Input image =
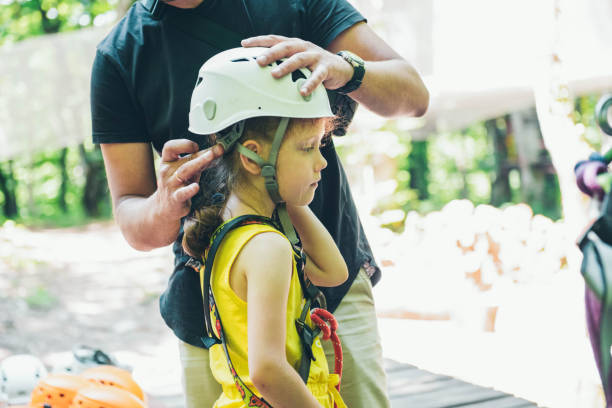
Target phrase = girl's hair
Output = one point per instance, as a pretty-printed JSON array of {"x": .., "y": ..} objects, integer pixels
[{"x": 222, "y": 177}]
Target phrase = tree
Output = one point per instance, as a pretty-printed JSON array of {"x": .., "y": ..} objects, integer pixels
[{"x": 21, "y": 19}]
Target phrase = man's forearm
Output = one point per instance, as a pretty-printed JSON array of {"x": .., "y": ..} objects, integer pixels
[
  {"x": 142, "y": 226},
  {"x": 392, "y": 88}
]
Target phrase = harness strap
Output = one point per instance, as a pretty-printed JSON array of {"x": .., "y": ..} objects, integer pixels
[{"x": 216, "y": 239}]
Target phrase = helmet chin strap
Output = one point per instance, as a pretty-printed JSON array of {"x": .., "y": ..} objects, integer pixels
[{"x": 268, "y": 171}]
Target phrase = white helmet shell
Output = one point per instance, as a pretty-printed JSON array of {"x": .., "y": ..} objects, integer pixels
[
  {"x": 19, "y": 375},
  {"x": 232, "y": 87}
]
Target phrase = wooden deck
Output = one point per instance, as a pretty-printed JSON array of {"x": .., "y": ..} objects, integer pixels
[{"x": 412, "y": 387}]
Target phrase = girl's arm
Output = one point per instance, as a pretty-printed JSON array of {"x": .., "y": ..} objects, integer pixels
[
  {"x": 325, "y": 265},
  {"x": 268, "y": 280}
]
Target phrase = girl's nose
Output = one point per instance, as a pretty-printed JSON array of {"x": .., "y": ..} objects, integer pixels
[{"x": 321, "y": 162}]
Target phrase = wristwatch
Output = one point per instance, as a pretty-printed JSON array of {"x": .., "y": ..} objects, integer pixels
[{"x": 358, "y": 72}]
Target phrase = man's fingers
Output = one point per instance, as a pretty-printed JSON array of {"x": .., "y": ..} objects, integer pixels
[
  {"x": 262, "y": 40},
  {"x": 191, "y": 169},
  {"x": 319, "y": 75},
  {"x": 283, "y": 49},
  {"x": 184, "y": 194},
  {"x": 173, "y": 149},
  {"x": 296, "y": 61}
]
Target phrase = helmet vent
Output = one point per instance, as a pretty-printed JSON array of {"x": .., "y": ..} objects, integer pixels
[
  {"x": 240, "y": 60},
  {"x": 200, "y": 79},
  {"x": 297, "y": 74}
]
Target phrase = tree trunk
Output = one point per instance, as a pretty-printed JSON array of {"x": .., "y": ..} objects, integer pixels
[
  {"x": 8, "y": 186},
  {"x": 61, "y": 196},
  {"x": 529, "y": 149},
  {"x": 418, "y": 168},
  {"x": 95, "y": 190},
  {"x": 500, "y": 187}
]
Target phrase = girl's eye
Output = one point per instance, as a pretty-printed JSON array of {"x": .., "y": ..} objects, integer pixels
[{"x": 308, "y": 149}]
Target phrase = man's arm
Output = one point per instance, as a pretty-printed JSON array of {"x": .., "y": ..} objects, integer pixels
[
  {"x": 390, "y": 87},
  {"x": 147, "y": 208}
]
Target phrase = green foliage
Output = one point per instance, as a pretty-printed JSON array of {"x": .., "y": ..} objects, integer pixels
[
  {"x": 584, "y": 114},
  {"x": 20, "y": 19},
  {"x": 55, "y": 187},
  {"x": 466, "y": 164},
  {"x": 38, "y": 187},
  {"x": 41, "y": 298},
  {"x": 459, "y": 165}
]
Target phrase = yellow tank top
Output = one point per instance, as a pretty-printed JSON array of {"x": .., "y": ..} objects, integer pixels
[{"x": 233, "y": 313}]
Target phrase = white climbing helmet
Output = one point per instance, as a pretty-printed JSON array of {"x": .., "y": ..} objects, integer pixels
[
  {"x": 19, "y": 375},
  {"x": 231, "y": 87}
]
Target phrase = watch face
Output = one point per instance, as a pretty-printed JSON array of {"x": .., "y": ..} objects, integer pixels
[
  {"x": 358, "y": 72},
  {"x": 354, "y": 59}
]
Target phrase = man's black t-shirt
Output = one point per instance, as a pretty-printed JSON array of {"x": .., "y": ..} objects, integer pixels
[{"x": 142, "y": 79}]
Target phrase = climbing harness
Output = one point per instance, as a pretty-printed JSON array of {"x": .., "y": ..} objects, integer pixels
[{"x": 307, "y": 335}]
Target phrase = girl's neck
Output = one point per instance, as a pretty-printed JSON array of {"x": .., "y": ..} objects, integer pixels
[{"x": 243, "y": 203}]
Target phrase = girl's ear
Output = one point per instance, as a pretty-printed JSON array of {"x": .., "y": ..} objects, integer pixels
[{"x": 248, "y": 164}]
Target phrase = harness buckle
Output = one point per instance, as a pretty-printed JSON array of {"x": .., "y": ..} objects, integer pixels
[
  {"x": 307, "y": 335},
  {"x": 194, "y": 264}
]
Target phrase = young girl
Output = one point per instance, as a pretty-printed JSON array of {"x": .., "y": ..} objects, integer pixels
[{"x": 271, "y": 168}]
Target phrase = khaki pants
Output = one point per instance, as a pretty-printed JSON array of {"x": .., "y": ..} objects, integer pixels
[{"x": 364, "y": 382}]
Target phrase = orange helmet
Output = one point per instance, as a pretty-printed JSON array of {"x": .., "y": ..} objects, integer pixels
[
  {"x": 57, "y": 390},
  {"x": 113, "y": 376},
  {"x": 105, "y": 396}
]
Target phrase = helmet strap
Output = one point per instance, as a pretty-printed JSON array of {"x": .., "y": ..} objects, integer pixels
[
  {"x": 268, "y": 172},
  {"x": 231, "y": 136}
]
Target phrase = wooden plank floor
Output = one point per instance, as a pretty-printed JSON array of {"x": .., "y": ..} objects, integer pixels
[{"x": 412, "y": 387}]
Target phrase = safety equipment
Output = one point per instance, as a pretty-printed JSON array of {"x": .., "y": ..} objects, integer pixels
[
  {"x": 19, "y": 374},
  {"x": 231, "y": 87},
  {"x": 57, "y": 390},
  {"x": 113, "y": 376},
  {"x": 81, "y": 358},
  {"x": 105, "y": 396}
]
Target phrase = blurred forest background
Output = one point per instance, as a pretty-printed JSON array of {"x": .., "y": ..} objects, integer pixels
[
  {"x": 486, "y": 162},
  {"x": 472, "y": 211}
]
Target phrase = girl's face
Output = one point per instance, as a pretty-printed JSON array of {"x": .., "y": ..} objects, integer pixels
[{"x": 300, "y": 161}]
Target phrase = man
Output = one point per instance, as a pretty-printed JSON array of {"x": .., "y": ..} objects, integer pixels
[{"x": 142, "y": 79}]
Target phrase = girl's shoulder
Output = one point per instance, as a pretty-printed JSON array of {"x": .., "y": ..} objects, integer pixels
[{"x": 266, "y": 249}]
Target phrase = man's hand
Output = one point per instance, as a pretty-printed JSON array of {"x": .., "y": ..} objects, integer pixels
[
  {"x": 179, "y": 174},
  {"x": 327, "y": 68}
]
